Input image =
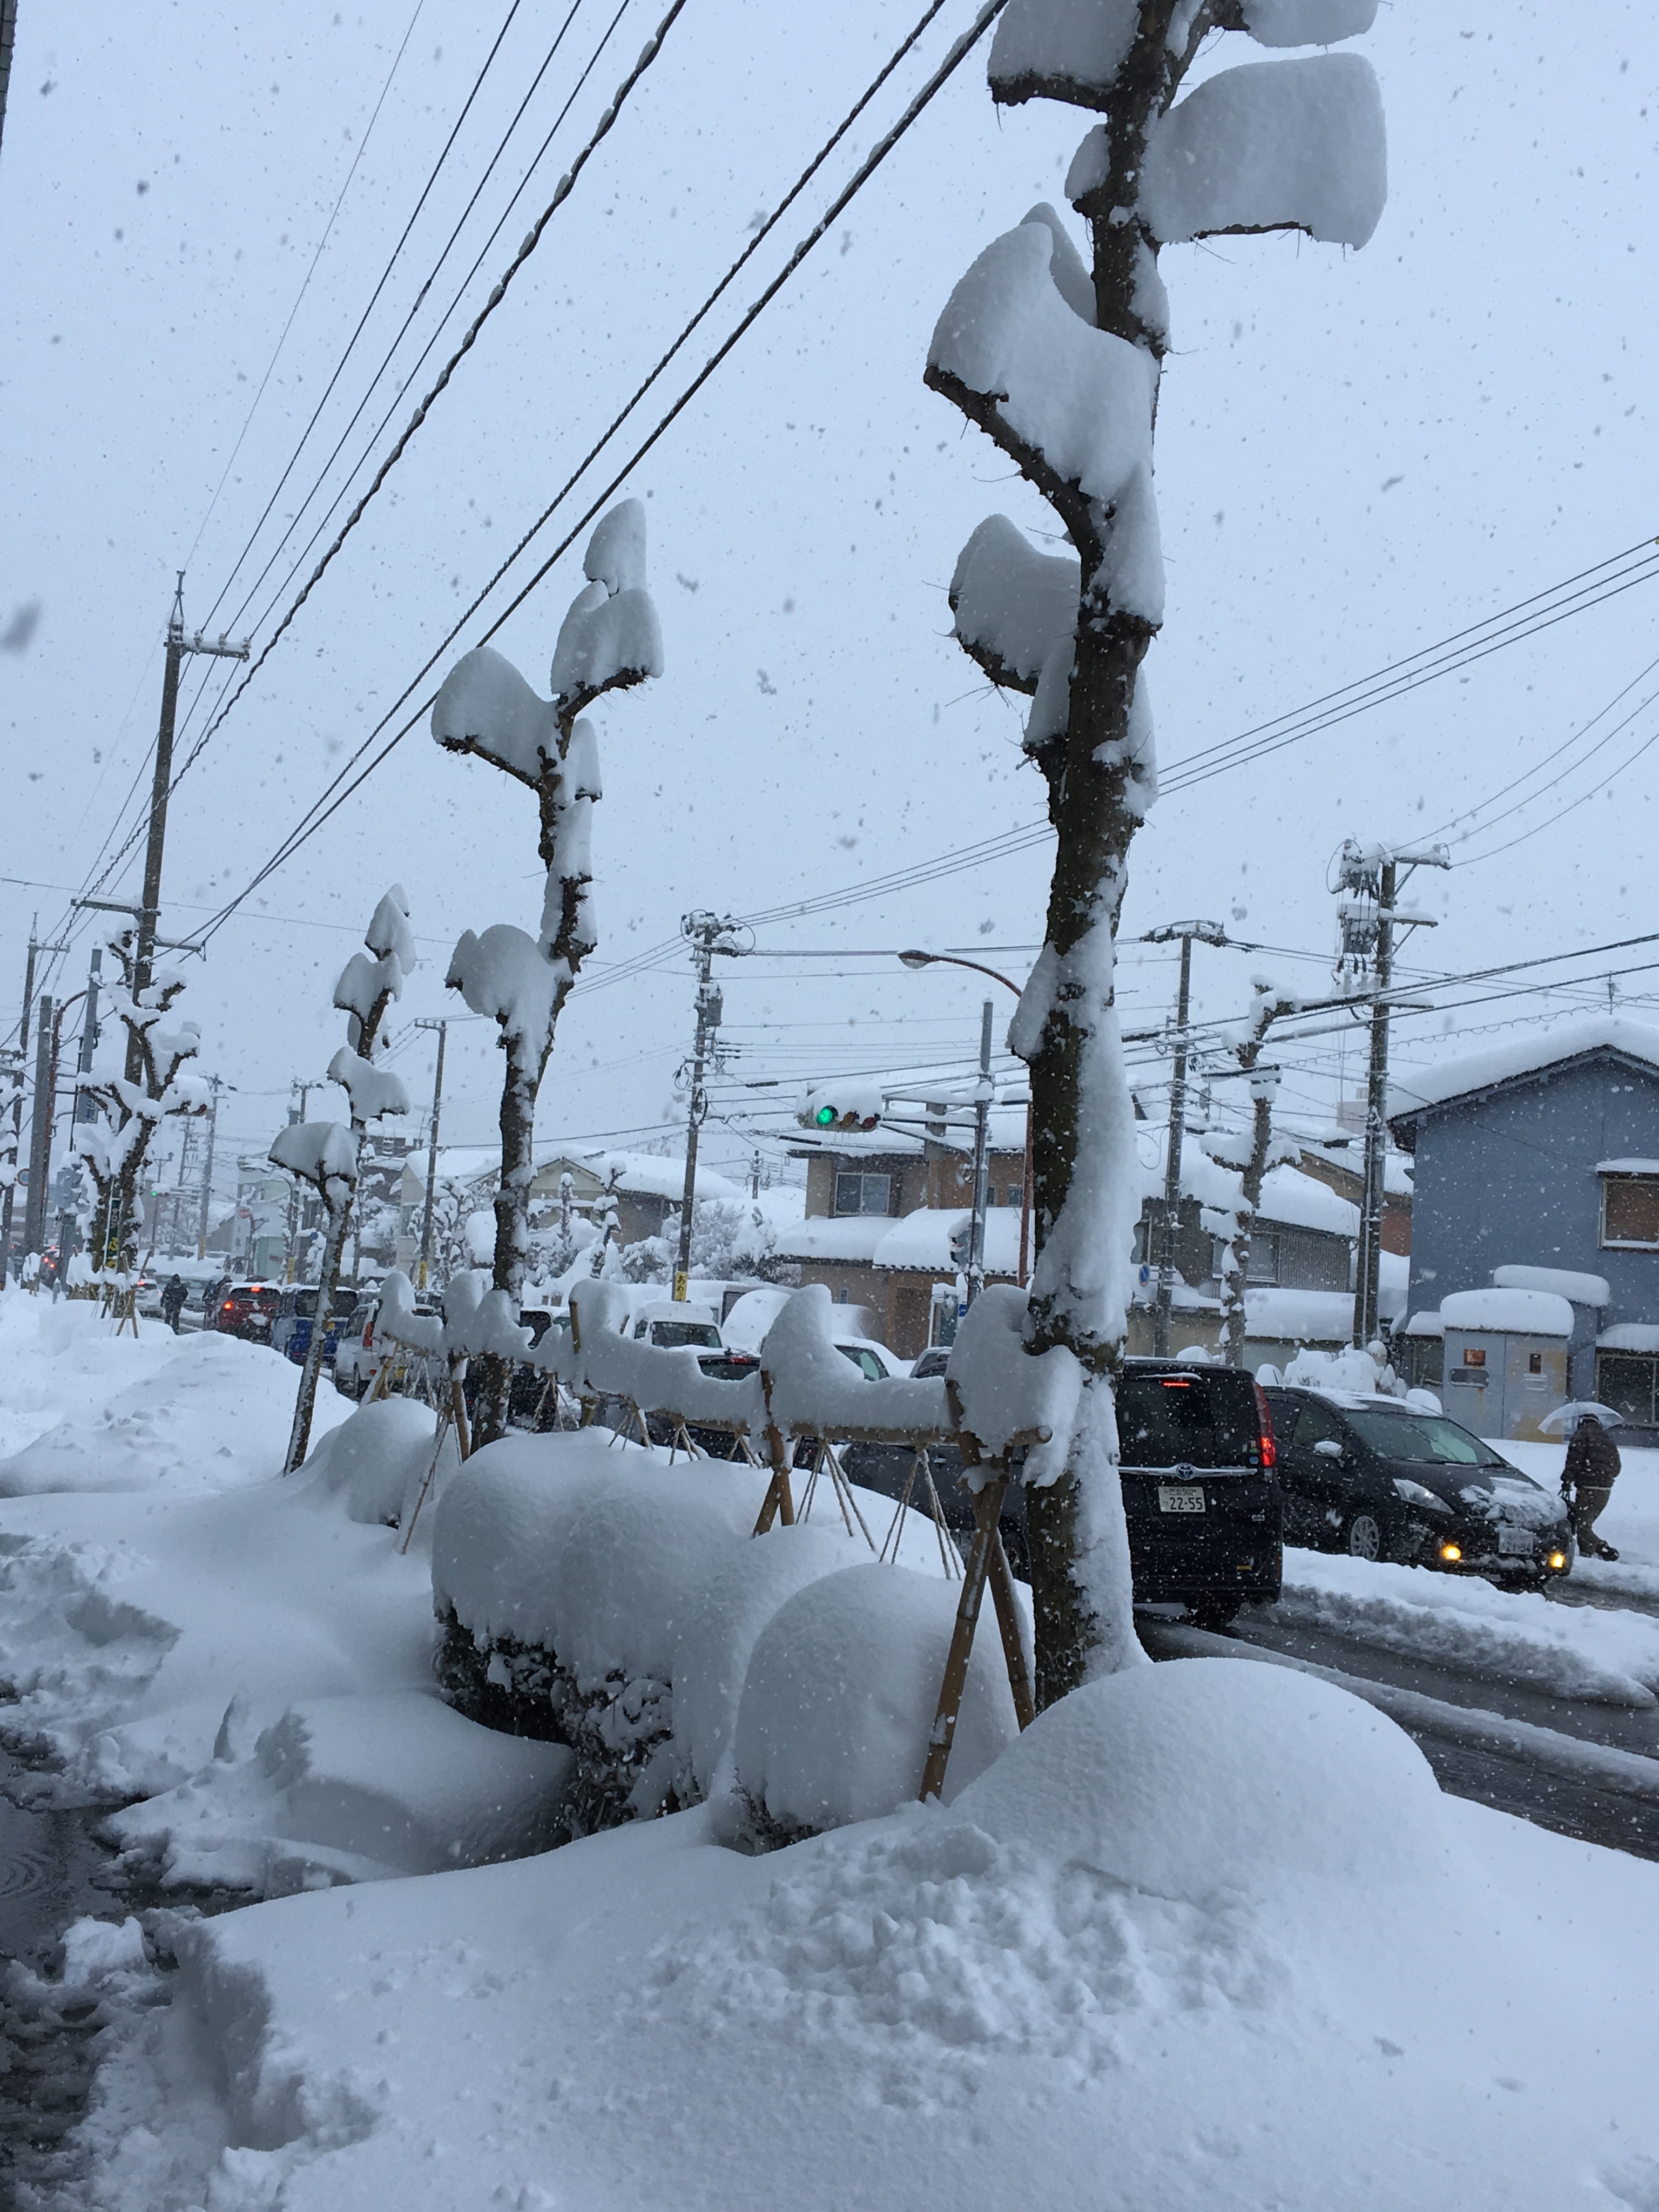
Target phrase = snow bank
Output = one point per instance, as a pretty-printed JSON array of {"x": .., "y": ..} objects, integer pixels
[
  {"x": 1529, "y": 1313},
  {"x": 351, "y": 1789},
  {"x": 842, "y": 1685},
  {"x": 1463, "y": 1621},
  {"x": 379, "y": 1458},
  {"x": 203, "y": 1412},
  {"x": 59, "y": 1356}
]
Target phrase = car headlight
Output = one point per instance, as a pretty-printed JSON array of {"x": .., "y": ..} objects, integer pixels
[{"x": 1418, "y": 1493}]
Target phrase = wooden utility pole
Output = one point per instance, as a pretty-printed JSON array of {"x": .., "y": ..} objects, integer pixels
[
  {"x": 708, "y": 933},
  {"x": 1212, "y": 933},
  {"x": 19, "y": 1076},
  {"x": 425, "y": 1022}
]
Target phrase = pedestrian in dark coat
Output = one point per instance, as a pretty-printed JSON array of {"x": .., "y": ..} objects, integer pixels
[
  {"x": 1587, "y": 1481},
  {"x": 174, "y": 1294}
]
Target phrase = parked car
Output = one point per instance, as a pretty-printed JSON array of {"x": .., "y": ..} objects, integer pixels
[
  {"x": 248, "y": 1310},
  {"x": 1381, "y": 1479},
  {"x": 875, "y": 1361},
  {"x": 680, "y": 1327},
  {"x": 355, "y": 1356},
  {"x": 932, "y": 1364},
  {"x": 290, "y": 1332},
  {"x": 1200, "y": 1489}
]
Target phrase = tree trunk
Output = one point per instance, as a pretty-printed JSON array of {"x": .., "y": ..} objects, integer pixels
[
  {"x": 299, "y": 1440},
  {"x": 518, "y": 1125}
]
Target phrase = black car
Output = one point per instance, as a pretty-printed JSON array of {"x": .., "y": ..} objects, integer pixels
[
  {"x": 1200, "y": 1491},
  {"x": 1383, "y": 1480}
]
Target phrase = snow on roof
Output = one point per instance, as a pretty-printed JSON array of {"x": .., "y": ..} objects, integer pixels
[
  {"x": 1528, "y": 1313},
  {"x": 1289, "y": 1197},
  {"x": 1563, "y": 1282},
  {"x": 1629, "y": 1336},
  {"x": 922, "y": 1240},
  {"x": 1529, "y": 1053},
  {"x": 650, "y": 1174},
  {"x": 852, "y": 1237},
  {"x": 1424, "y": 1324},
  {"x": 1627, "y": 1167}
]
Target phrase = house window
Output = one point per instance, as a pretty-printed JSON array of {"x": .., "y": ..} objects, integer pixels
[
  {"x": 1630, "y": 1210},
  {"x": 1262, "y": 1264},
  {"x": 863, "y": 1194},
  {"x": 1625, "y": 1381}
]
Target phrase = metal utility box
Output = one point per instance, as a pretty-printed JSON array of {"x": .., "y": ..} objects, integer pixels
[{"x": 1505, "y": 1360}]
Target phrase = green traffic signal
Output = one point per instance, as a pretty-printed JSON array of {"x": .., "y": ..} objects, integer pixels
[{"x": 824, "y": 1116}]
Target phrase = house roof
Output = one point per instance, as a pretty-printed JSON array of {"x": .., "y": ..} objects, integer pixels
[
  {"x": 639, "y": 1175},
  {"x": 1536, "y": 1049},
  {"x": 1289, "y": 1197}
]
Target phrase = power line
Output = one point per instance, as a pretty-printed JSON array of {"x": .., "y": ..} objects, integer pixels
[{"x": 314, "y": 819}]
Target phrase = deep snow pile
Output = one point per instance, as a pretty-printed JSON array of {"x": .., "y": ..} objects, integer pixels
[
  {"x": 678, "y": 1652},
  {"x": 1206, "y": 1937},
  {"x": 252, "y": 1662}
]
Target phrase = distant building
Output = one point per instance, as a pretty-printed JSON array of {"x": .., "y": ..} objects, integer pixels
[{"x": 1536, "y": 1169}]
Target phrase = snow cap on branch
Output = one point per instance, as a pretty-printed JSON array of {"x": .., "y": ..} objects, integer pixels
[
  {"x": 611, "y": 638},
  {"x": 1296, "y": 145},
  {"x": 504, "y": 976},
  {"x": 1061, "y": 50},
  {"x": 1307, "y": 22},
  {"x": 372, "y": 1091},
  {"x": 1014, "y": 606},
  {"x": 317, "y": 1152},
  {"x": 1081, "y": 398},
  {"x": 485, "y": 707},
  {"x": 365, "y": 980}
]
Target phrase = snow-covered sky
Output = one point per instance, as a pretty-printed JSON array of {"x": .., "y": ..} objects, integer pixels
[{"x": 1357, "y": 454}]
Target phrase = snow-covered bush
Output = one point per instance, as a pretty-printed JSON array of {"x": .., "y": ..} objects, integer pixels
[{"x": 1059, "y": 364}]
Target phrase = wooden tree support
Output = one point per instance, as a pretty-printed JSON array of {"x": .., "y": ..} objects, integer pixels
[
  {"x": 987, "y": 1562},
  {"x": 779, "y": 1503}
]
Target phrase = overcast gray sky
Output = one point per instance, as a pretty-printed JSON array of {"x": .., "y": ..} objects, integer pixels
[{"x": 1357, "y": 454}]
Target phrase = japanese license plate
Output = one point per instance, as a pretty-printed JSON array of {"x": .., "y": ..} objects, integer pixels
[
  {"x": 1515, "y": 1539},
  {"x": 1180, "y": 1497}
]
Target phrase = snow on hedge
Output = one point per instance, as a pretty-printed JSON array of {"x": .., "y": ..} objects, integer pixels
[
  {"x": 803, "y": 1674},
  {"x": 1269, "y": 145}
]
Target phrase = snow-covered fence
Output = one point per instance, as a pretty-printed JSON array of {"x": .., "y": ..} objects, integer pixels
[{"x": 993, "y": 1401}]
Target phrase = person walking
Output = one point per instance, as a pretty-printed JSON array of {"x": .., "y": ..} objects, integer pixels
[
  {"x": 1587, "y": 1481},
  {"x": 174, "y": 1295}
]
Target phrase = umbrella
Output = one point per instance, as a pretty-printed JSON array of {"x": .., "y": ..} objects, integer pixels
[{"x": 1568, "y": 1417}]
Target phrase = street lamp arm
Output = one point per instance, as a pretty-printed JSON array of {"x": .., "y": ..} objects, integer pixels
[{"x": 953, "y": 960}]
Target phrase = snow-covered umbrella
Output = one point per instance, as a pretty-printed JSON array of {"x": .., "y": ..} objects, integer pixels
[{"x": 1567, "y": 1418}]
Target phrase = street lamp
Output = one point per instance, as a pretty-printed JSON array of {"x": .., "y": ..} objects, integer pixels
[{"x": 917, "y": 959}]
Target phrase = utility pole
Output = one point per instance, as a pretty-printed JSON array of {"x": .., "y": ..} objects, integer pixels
[
  {"x": 425, "y": 1022},
  {"x": 82, "y": 1108},
  {"x": 708, "y": 933},
  {"x": 1211, "y": 933},
  {"x": 177, "y": 646},
  {"x": 1370, "y": 916},
  {"x": 19, "y": 1076},
  {"x": 35, "y": 1211},
  {"x": 216, "y": 1083},
  {"x": 982, "y": 1094}
]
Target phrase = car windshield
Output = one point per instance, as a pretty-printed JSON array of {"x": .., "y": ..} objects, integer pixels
[
  {"x": 674, "y": 1334},
  {"x": 1173, "y": 1420},
  {"x": 1425, "y": 1437}
]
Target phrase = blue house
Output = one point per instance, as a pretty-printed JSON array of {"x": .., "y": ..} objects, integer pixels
[{"x": 1536, "y": 1167}]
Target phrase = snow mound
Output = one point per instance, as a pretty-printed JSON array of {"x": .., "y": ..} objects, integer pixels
[
  {"x": 211, "y": 1415},
  {"x": 842, "y": 1685},
  {"x": 1606, "y": 1656},
  {"x": 374, "y": 1457},
  {"x": 352, "y": 1788}
]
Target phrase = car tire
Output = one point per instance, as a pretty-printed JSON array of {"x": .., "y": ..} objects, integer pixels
[
  {"x": 1215, "y": 1613},
  {"x": 1363, "y": 1537}
]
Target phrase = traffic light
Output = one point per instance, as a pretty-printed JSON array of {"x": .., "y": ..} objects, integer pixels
[{"x": 840, "y": 1109}]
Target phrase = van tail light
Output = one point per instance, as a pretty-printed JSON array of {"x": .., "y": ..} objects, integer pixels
[
  {"x": 1265, "y": 1424},
  {"x": 369, "y": 1337}
]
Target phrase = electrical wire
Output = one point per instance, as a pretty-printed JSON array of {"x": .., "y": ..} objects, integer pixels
[{"x": 314, "y": 819}]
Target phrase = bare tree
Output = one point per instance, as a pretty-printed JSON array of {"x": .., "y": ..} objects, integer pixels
[
  {"x": 114, "y": 1151},
  {"x": 326, "y": 1155},
  {"x": 1251, "y": 1159},
  {"x": 610, "y": 640},
  {"x": 1059, "y": 364}
]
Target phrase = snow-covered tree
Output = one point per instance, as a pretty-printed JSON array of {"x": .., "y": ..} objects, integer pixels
[
  {"x": 114, "y": 1149},
  {"x": 1059, "y": 362},
  {"x": 609, "y": 639},
  {"x": 327, "y": 1154}
]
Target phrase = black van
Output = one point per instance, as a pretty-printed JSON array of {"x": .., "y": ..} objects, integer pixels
[{"x": 1200, "y": 1488}]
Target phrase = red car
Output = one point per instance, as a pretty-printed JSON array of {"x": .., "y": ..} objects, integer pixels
[{"x": 247, "y": 1310}]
